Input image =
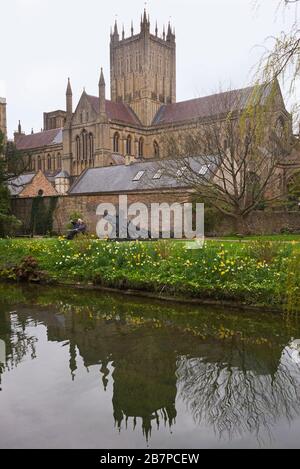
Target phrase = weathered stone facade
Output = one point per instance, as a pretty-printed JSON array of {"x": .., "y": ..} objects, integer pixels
[
  {"x": 142, "y": 113},
  {"x": 143, "y": 70},
  {"x": 54, "y": 120}
]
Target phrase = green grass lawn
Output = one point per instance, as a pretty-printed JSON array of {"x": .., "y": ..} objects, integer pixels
[
  {"x": 258, "y": 272},
  {"x": 281, "y": 238}
]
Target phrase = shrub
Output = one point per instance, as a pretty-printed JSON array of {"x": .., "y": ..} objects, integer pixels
[{"x": 27, "y": 271}]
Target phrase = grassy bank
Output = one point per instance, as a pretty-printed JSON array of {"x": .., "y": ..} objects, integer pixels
[
  {"x": 255, "y": 273},
  {"x": 274, "y": 238}
]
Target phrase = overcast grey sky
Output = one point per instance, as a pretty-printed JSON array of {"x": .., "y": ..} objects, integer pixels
[{"x": 45, "y": 41}]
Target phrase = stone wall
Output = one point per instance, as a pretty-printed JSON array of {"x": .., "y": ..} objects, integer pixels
[
  {"x": 261, "y": 223},
  {"x": 86, "y": 206}
]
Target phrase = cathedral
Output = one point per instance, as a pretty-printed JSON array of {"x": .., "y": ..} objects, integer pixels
[
  {"x": 101, "y": 132},
  {"x": 128, "y": 128}
]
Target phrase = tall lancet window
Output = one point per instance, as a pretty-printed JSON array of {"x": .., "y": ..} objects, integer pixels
[
  {"x": 84, "y": 137},
  {"x": 156, "y": 149},
  {"x": 49, "y": 163},
  {"x": 59, "y": 165},
  {"x": 78, "y": 148},
  {"x": 129, "y": 145},
  {"x": 32, "y": 164},
  {"x": 116, "y": 142},
  {"x": 91, "y": 147},
  {"x": 141, "y": 147}
]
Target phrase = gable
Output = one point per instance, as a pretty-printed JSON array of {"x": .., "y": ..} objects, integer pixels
[
  {"x": 117, "y": 112},
  {"x": 38, "y": 183},
  {"x": 84, "y": 112},
  {"x": 279, "y": 103}
]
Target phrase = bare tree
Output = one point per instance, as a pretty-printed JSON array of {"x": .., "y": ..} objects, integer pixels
[
  {"x": 239, "y": 146},
  {"x": 282, "y": 59}
]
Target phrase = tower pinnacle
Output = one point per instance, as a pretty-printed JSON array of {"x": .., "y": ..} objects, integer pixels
[
  {"x": 69, "y": 88},
  {"x": 102, "y": 80},
  {"x": 145, "y": 22},
  {"x": 115, "y": 36},
  {"x": 69, "y": 100},
  {"x": 102, "y": 97},
  {"x": 116, "y": 32}
]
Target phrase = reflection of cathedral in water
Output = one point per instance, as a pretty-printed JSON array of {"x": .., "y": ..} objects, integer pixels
[
  {"x": 144, "y": 376},
  {"x": 144, "y": 373},
  {"x": 144, "y": 379},
  {"x": 232, "y": 386}
]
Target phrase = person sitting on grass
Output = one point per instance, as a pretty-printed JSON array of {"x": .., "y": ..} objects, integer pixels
[{"x": 79, "y": 227}]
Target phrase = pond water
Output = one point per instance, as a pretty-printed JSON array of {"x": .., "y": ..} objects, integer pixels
[{"x": 95, "y": 370}]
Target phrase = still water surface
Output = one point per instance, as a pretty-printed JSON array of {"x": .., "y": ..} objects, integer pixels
[{"x": 94, "y": 370}]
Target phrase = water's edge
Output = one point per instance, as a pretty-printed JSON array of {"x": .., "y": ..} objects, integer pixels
[{"x": 157, "y": 296}]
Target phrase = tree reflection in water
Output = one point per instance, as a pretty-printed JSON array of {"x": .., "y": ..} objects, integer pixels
[
  {"x": 236, "y": 392},
  {"x": 236, "y": 383},
  {"x": 19, "y": 343}
]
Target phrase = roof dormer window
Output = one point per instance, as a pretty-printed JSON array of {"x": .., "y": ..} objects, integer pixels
[{"x": 139, "y": 176}]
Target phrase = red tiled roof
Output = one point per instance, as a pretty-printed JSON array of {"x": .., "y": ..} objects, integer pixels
[
  {"x": 207, "y": 106},
  {"x": 41, "y": 139},
  {"x": 116, "y": 111}
]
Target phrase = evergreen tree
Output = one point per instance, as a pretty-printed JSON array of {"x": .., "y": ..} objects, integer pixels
[{"x": 8, "y": 223}]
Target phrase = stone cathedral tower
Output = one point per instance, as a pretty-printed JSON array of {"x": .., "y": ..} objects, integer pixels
[{"x": 143, "y": 69}]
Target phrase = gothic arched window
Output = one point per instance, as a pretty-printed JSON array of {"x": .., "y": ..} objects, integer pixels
[
  {"x": 116, "y": 142},
  {"x": 91, "y": 146},
  {"x": 78, "y": 148},
  {"x": 49, "y": 163},
  {"x": 156, "y": 149},
  {"x": 280, "y": 127},
  {"x": 39, "y": 163},
  {"x": 59, "y": 165},
  {"x": 84, "y": 136},
  {"x": 32, "y": 164},
  {"x": 129, "y": 145},
  {"x": 141, "y": 147}
]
